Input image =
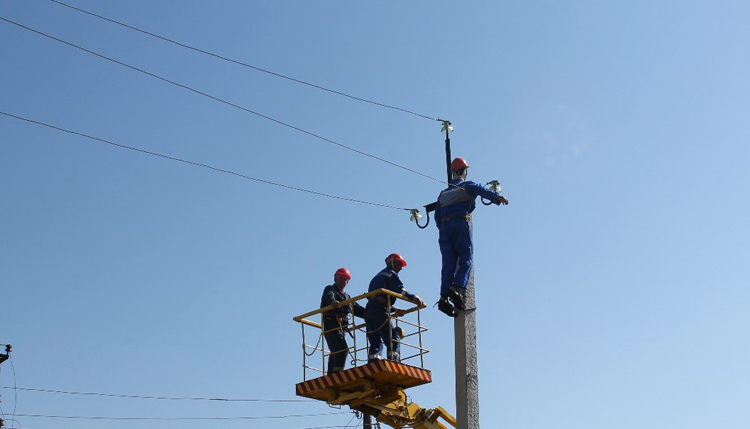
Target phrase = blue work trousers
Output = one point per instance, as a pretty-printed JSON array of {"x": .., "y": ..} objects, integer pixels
[
  {"x": 379, "y": 332},
  {"x": 458, "y": 254}
]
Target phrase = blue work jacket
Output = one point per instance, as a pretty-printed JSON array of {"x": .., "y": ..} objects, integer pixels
[
  {"x": 332, "y": 293},
  {"x": 387, "y": 279},
  {"x": 459, "y": 199}
]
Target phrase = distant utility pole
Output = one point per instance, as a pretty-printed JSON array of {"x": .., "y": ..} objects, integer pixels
[
  {"x": 3, "y": 358},
  {"x": 6, "y": 355}
]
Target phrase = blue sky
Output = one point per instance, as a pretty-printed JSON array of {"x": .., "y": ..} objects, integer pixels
[{"x": 611, "y": 292}]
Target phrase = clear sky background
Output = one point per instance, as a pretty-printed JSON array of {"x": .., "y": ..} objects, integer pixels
[{"x": 612, "y": 291}]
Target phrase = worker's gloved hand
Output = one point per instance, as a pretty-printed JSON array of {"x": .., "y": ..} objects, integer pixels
[
  {"x": 419, "y": 301},
  {"x": 502, "y": 200},
  {"x": 335, "y": 304}
]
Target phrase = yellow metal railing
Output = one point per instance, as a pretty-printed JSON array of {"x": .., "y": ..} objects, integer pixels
[{"x": 412, "y": 329}]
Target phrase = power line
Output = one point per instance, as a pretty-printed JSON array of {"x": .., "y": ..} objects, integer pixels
[
  {"x": 242, "y": 63},
  {"x": 48, "y": 416},
  {"x": 170, "y": 398},
  {"x": 307, "y": 427},
  {"x": 350, "y": 421},
  {"x": 198, "y": 164},
  {"x": 324, "y": 427},
  {"x": 221, "y": 100}
]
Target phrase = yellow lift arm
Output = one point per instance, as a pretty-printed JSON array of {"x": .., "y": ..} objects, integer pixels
[{"x": 399, "y": 413}]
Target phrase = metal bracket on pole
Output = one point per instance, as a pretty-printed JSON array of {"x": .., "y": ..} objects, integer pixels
[
  {"x": 494, "y": 186},
  {"x": 428, "y": 208},
  {"x": 447, "y": 129}
]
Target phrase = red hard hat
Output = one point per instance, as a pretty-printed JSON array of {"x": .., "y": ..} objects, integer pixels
[
  {"x": 397, "y": 257},
  {"x": 459, "y": 163},
  {"x": 343, "y": 272}
]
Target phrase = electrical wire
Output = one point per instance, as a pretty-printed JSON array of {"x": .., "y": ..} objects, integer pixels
[
  {"x": 323, "y": 427},
  {"x": 48, "y": 416},
  {"x": 306, "y": 427},
  {"x": 350, "y": 421},
  {"x": 221, "y": 100},
  {"x": 169, "y": 398},
  {"x": 198, "y": 164},
  {"x": 242, "y": 63}
]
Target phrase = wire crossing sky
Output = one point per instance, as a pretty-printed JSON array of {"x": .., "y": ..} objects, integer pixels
[
  {"x": 244, "y": 64},
  {"x": 198, "y": 164},
  {"x": 288, "y": 416},
  {"x": 165, "y": 398},
  {"x": 317, "y": 136}
]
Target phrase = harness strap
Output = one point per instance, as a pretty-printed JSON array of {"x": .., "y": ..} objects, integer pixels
[{"x": 448, "y": 219}]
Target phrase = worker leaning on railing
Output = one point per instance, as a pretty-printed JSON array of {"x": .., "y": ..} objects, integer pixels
[
  {"x": 379, "y": 329},
  {"x": 336, "y": 320}
]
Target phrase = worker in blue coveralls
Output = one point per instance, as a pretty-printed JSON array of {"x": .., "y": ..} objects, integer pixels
[
  {"x": 335, "y": 321},
  {"x": 452, "y": 215},
  {"x": 379, "y": 329}
]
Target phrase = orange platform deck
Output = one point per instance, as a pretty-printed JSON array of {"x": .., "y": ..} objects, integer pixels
[{"x": 381, "y": 373}]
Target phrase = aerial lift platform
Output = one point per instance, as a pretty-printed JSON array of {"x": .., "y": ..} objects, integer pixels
[{"x": 376, "y": 388}]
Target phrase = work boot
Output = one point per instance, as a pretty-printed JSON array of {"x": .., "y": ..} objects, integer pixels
[
  {"x": 446, "y": 307},
  {"x": 456, "y": 298}
]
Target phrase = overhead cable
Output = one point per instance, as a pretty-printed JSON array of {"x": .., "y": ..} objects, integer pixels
[
  {"x": 221, "y": 100},
  {"x": 354, "y": 415},
  {"x": 20, "y": 426},
  {"x": 170, "y": 398},
  {"x": 323, "y": 427},
  {"x": 177, "y": 418},
  {"x": 242, "y": 63},
  {"x": 198, "y": 164}
]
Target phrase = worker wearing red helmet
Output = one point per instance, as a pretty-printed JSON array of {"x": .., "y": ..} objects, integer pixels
[
  {"x": 379, "y": 330},
  {"x": 336, "y": 320},
  {"x": 452, "y": 213}
]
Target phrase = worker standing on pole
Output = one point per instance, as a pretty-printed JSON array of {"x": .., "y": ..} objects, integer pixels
[
  {"x": 336, "y": 321},
  {"x": 452, "y": 214},
  {"x": 379, "y": 329}
]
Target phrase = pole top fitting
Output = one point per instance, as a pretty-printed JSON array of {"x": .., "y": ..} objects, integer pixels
[{"x": 447, "y": 127}]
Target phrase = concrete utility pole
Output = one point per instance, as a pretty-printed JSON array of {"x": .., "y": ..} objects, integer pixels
[
  {"x": 366, "y": 421},
  {"x": 464, "y": 330},
  {"x": 465, "y": 336},
  {"x": 467, "y": 370}
]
